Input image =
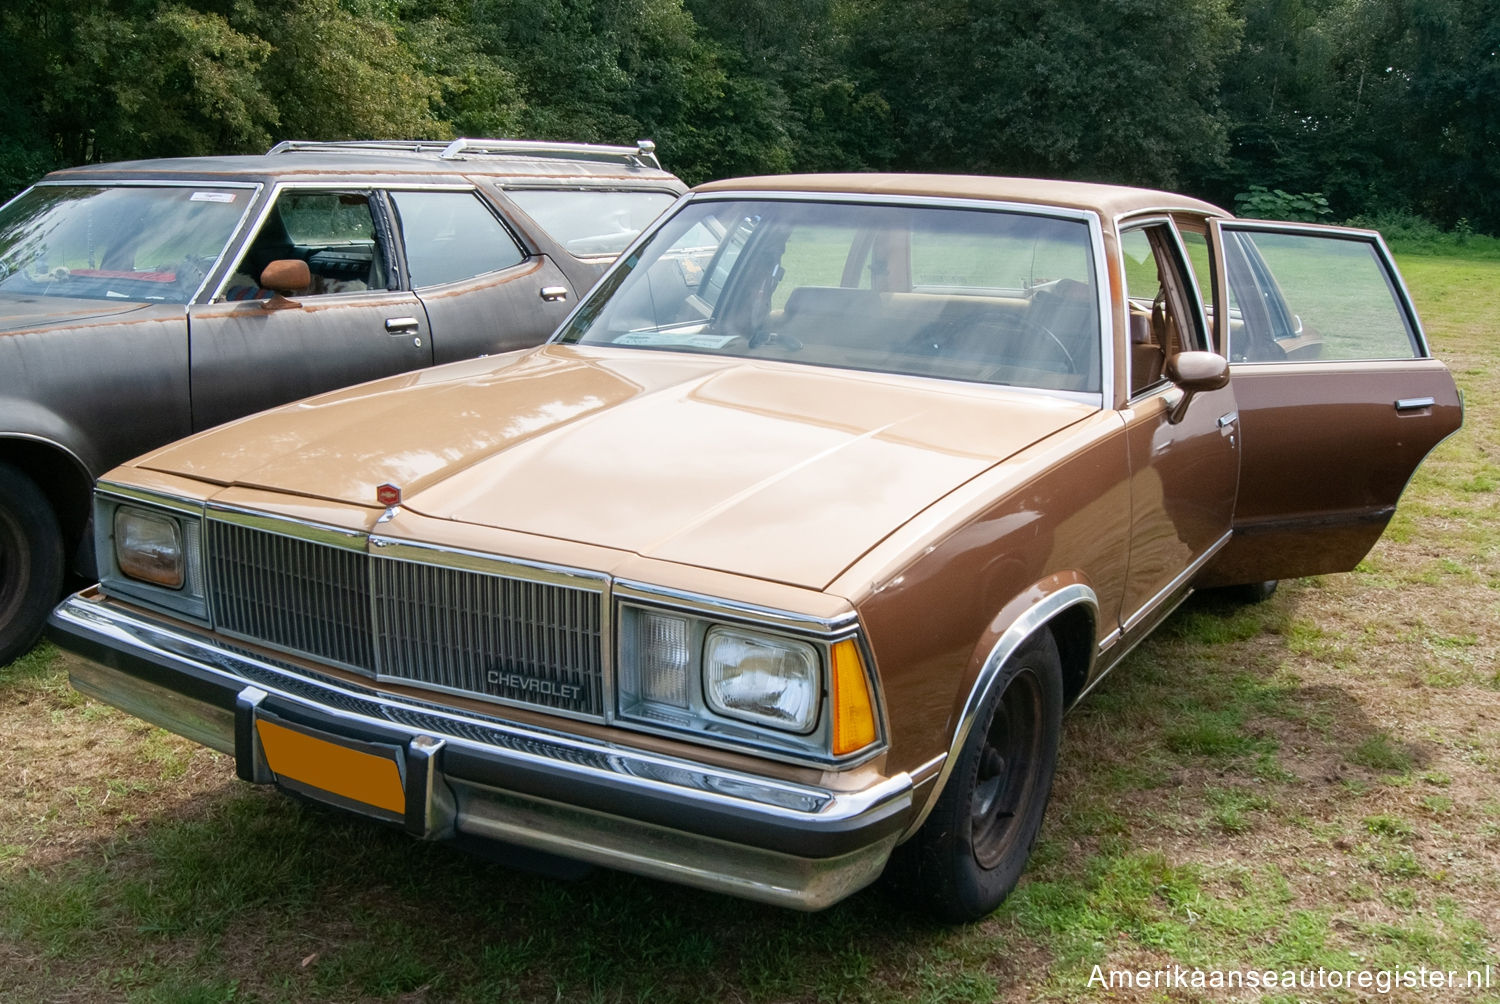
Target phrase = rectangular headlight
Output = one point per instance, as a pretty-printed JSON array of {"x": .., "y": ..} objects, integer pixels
[
  {"x": 148, "y": 547},
  {"x": 760, "y": 678}
]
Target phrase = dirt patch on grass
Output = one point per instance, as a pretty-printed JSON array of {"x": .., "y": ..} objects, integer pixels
[{"x": 72, "y": 772}]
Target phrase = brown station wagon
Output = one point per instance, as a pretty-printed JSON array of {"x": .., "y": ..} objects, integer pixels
[
  {"x": 777, "y": 568},
  {"x": 142, "y": 301}
]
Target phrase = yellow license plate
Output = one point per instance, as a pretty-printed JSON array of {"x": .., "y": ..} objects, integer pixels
[{"x": 369, "y": 778}]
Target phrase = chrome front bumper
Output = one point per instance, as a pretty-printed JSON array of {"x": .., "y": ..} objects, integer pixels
[{"x": 670, "y": 818}]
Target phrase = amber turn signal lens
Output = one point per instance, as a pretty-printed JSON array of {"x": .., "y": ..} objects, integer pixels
[{"x": 853, "y": 708}]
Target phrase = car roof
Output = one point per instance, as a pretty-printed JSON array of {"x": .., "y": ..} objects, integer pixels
[
  {"x": 399, "y": 160},
  {"x": 1110, "y": 201}
]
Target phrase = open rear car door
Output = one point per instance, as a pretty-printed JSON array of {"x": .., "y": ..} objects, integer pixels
[{"x": 1339, "y": 399}]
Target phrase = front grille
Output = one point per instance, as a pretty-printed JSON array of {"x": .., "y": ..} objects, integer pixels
[
  {"x": 472, "y": 632},
  {"x": 511, "y": 638},
  {"x": 291, "y": 594}
]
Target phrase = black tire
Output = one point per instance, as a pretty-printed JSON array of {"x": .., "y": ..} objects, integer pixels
[
  {"x": 1247, "y": 593},
  {"x": 972, "y": 849},
  {"x": 31, "y": 562}
]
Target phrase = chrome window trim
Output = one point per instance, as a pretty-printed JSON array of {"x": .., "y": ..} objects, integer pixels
[
  {"x": 884, "y": 198},
  {"x": 144, "y": 183},
  {"x": 242, "y": 238},
  {"x": 389, "y": 193},
  {"x": 1191, "y": 291},
  {"x": 1130, "y": 219}
]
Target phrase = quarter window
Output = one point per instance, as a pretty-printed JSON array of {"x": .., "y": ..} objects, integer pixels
[
  {"x": 1162, "y": 315},
  {"x": 451, "y": 236}
]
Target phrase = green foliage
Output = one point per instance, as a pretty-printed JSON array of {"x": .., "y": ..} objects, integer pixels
[
  {"x": 1069, "y": 89},
  {"x": 1267, "y": 204},
  {"x": 1300, "y": 109}
]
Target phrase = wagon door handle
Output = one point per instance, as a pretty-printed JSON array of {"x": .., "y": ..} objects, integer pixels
[
  {"x": 1229, "y": 419},
  {"x": 1415, "y": 403},
  {"x": 401, "y": 325},
  {"x": 554, "y": 293}
]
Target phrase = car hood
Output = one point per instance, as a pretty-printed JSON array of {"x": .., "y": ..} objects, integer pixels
[
  {"x": 27, "y": 313},
  {"x": 779, "y": 471}
]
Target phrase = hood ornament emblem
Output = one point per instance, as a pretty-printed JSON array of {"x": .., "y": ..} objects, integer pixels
[{"x": 388, "y": 495}]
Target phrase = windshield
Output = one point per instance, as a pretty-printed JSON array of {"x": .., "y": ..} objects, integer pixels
[
  {"x": 115, "y": 242},
  {"x": 969, "y": 294},
  {"x": 593, "y": 222}
]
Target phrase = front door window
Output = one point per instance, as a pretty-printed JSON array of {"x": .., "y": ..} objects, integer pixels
[{"x": 335, "y": 233}]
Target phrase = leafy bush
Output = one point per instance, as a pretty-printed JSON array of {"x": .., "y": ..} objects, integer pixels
[{"x": 1265, "y": 203}]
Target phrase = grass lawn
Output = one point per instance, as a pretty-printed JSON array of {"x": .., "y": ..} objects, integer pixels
[{"x": 1310, "y": 782}]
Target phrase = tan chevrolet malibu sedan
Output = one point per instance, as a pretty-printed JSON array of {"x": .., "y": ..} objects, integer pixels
[{"x": 778, "y": 566}]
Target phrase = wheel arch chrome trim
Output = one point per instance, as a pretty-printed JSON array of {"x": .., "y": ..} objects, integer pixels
[{"x": 1032, "y": 619}]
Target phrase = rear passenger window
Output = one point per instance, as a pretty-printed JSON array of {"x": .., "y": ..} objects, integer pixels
[
  {"x": 451, "y": 236},
  {"x": 1300, "y": 295}
]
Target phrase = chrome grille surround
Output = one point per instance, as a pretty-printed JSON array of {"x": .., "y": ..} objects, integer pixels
[{"x": 501, "y": 630}]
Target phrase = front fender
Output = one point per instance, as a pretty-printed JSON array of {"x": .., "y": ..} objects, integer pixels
[{"x": 1034, "y": 608}]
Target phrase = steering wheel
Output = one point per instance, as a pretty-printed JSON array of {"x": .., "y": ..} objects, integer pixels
[{"x": 1056, "y": 350}]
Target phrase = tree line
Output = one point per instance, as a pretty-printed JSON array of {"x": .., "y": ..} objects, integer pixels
[{"x": 1331, "y": 108}]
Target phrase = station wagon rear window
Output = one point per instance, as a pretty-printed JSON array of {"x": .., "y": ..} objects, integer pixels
[
  {"x": 1001, "y": 297},
  {"x": 592, "y": 222},
  {"x": 103, "y": 242}
]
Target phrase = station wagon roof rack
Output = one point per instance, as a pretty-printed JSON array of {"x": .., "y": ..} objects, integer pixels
[{"x": 643, "y": 154}]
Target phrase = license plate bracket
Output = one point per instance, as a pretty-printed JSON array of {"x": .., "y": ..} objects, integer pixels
[{"x": 395, "y": 780}]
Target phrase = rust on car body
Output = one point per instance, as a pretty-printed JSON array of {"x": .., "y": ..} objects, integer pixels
[{"x": 145, "y": 300}]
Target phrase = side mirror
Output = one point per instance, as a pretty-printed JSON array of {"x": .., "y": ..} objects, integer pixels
[
  {"x": 1195, "y": 373},
  {"x": 284, "y": 277}
]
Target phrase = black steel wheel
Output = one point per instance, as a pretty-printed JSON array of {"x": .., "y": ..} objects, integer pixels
[
  {"x": 971, "y": 852},
  {"x": 31, "y": 562}
]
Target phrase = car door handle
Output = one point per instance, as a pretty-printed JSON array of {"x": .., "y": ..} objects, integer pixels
[
  {"x": 554, "y": 293},
  {"x": 1229, "y": 419},
  {"x": 401, "y": 325},
  {"x": 1415, "y": 403}
]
